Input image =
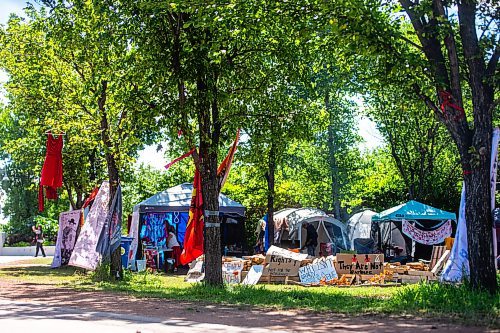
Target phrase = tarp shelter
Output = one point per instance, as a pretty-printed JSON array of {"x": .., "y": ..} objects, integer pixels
[
  {"x": 388, "y": 228},
  {"x": 359, "y": 226},
  {"x": 172, "y": 205},
  {"x": 288, "y": 228}
]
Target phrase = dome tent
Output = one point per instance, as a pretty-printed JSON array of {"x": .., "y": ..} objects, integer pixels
[
  {"x": 288, "y": 227},
  {"x": 359, "y": 226}
]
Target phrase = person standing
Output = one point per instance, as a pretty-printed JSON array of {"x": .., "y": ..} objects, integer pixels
[
  {"x": 38, "y": 239},
  {"x": 311, "y": 239},
  {"x": 173, "y": 243}
]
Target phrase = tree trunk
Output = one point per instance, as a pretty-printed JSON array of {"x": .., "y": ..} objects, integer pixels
[
  {"x": 116, "y": 264},
  {"x": 271, "y": 169},
  {"x": 332, "y": 161},
  {"x": 210, "y": 191}
]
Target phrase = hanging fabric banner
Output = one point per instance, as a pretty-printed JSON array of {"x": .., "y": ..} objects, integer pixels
[
  {"x": 431, "y": 237},
  {"x": 110, "y": 237},
  {"x": 84, "y": 254},
  {"x": 66, "y": 237},
  {"x": 193, "y": 241},
  {"x": 457, "y": 267},
  {"x": 134, "y": 233}
]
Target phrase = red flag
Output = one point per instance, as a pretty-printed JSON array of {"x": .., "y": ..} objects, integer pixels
[
  {"x": 225, "y": 166},
  {"x": 180, "y": 158},
  {"x": 193, "y": 240}
]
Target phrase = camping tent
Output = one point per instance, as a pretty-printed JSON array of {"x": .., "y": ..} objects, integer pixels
[
  {"x": 359, "y": 226},
  {"x": 389, "y": 233},
  {"x": 288, "y": 227},
  {"x": 172, "y": 205}
]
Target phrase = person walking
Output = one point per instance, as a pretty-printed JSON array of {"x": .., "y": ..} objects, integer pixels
[
  {"x": 311, "y": 239},
  {"x": 38, "y": 239}
]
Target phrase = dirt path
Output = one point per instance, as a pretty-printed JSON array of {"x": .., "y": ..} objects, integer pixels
[{"x": 292, "y": 321}]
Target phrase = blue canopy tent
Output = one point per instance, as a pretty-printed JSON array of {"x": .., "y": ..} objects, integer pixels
[
  {"x": 387, "y": 228},
  {"x": 172, "y": 205}
]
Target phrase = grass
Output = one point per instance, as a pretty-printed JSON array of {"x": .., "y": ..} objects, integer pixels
[{"x": 424, "y": 300}]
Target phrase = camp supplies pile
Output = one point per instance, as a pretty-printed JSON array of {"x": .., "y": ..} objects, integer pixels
[{"x": 410, "y": 273}]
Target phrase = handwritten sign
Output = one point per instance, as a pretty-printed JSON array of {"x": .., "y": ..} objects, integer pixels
[
  {"x": 231, "y": 271},
  {"x": 365, "y": 264},
  {"x": 253, "y": 275},
  {"x": 283, "y": 262},
  {"x": 322, "y": 269}
]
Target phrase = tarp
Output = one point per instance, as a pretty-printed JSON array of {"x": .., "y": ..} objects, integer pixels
[
  {"x": 178, "y": 199},
  {"x": 359, "y": 225},
  {"x": 413, "y": 210}
]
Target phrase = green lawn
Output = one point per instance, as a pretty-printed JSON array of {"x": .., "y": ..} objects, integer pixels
[{"x": 430, "y": 300}]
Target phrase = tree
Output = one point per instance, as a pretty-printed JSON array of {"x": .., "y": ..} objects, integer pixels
[{"x": 462, "y": 65}]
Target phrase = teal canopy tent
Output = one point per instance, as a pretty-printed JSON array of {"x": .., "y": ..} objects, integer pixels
[
  {"x": 413, "y": 210},
  {"x": 387, "y": 228}
]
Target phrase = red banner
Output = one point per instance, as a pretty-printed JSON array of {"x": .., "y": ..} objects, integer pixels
[{"x": 193, "y": 240}]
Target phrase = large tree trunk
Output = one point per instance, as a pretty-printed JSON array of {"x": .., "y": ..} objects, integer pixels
[
  {"x": 209, "y": 136},
  {"x": 271, "y": 169},
  {"x": 116, "y": 263},
  {"x": 332, "y": 161}
]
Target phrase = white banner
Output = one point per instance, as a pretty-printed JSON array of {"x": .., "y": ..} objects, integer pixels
[
  {"x": 430, "y": 237},
  {"x": 457, "y": 267},
  {"x": 84, "y": 254},
  {"x": 66, "y": 237}
]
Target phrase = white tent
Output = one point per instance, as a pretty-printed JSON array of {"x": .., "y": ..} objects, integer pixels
[
  {"x": 288, "y": 226},
  {"x": 359, "y": 225}
]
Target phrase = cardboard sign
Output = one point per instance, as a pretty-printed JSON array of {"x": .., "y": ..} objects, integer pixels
[
  {"x": 322, "y": 269},
  {"x": 283, "y": 262},
  {"x": 366, "y": 264},
  {"x": 254, "y": 275},
  {"x": 195, "y": 273},
  {"x": 231, "y": 272}
]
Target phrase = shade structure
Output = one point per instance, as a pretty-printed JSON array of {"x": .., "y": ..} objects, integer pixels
[
  {"x": 178, "y": 199},
  {"x": 413, "y": 210}
]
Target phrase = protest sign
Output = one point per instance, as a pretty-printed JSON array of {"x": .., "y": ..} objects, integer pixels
[
  {"x": 254, "y": 275},
  {"x": 283, "y": 262},
  {"x": 231, "y": 271},
  {"x": 365, "y": 264},
  {"x": 322, "y": 269}
]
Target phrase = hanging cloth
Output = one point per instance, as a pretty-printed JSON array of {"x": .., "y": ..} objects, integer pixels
[
  {"x": 52, "y": 170},
  {"x": 433, "y": 237}
]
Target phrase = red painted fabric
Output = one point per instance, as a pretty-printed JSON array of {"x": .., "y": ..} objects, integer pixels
[
  {"x": 193, "y": 240},
  {"x": 52, "y": 170}
]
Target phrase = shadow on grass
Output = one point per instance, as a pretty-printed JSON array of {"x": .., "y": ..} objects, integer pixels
[{"x": 39, "y": 271}]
